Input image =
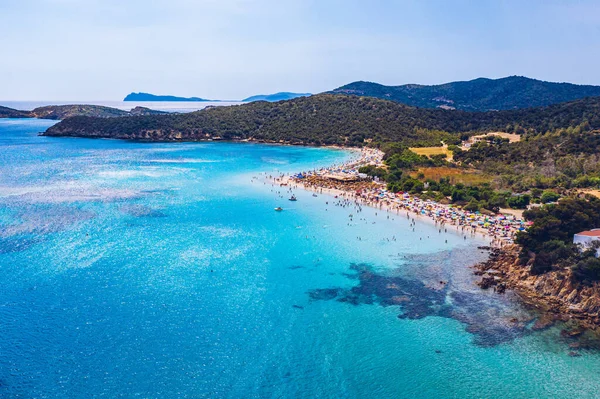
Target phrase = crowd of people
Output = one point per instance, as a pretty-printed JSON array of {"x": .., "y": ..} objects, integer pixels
[{"x": 344, "y": 182}]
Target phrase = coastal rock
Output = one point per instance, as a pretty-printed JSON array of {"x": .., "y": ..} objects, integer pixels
[
  {"x": 572, "y": 297},
  {"x": 553, "y": 293},
  {"x": 544, "y": 321},
  {"x": 487, "y": 282},
  {"x": 416, "y": 299}
]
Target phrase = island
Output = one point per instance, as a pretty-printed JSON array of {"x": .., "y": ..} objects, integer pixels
[
  {"x": 143, "y": 97},
  {"x": 60, "y": 112},
  {"x": 276, "y": 96}
]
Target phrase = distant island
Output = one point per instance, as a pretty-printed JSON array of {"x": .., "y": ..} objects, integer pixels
[
  {"x": 60, "y": 112},
  {"x": 482, "y": 94},
  {"x": 284, "y": 95},
  {"x": 153, "y": 97},
  {"x": 479, "y": 95},
  {"x": 141, "y": 97}
]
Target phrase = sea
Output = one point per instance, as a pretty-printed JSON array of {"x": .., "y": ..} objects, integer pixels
[{"x": 162, "y": 270}]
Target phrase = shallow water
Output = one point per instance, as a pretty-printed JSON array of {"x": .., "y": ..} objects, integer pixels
[{"x": 161, "y": 270}]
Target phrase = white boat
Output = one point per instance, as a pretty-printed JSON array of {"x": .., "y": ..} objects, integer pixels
[{"x": 279, "y": 209}]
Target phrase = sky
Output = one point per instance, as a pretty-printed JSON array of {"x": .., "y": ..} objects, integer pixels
[{"x": 232, "y": 49}]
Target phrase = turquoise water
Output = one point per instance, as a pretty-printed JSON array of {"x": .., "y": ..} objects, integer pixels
[{"x": 161, "y": 270}]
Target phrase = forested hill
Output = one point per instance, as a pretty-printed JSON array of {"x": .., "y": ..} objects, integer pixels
[
  {"x": 481, "y": 94},
  {"x": 58, "y": 112},
  {"x": 329, "y": 119},
  {"x": 6, "y": 112}
]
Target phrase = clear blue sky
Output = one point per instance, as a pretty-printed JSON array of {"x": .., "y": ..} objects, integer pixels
[{"x": 230, "y": 49}]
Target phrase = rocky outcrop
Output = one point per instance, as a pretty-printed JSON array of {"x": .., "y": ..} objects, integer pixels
[{"x": 555, "y": 293}]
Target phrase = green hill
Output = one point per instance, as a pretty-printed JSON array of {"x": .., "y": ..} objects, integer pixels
[
  {"x": 481, "y": 94},
  {"x": 6, "y": 112},
  {"x": 59, "y": 112},
  {"x": 331, "y": 119}
]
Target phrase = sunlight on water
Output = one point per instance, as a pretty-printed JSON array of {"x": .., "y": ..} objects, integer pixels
[{"x": 161, "y": 270}]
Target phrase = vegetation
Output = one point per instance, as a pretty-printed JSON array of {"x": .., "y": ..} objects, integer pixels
[
  {"x": 565, "y": 158},
  {"x": 6, "y": 112},
  {"x": 558, "y": 149},
  {"x": 334, "y": 119},
  {"x": 430, "y": 151},
  {"x": 476, "y": 95},
  {"x": 558, "y": 152},
  {"x": 454, "y": 174},
  {"x": 59, "y": 112},
  {"x": 548, "y": 243}
]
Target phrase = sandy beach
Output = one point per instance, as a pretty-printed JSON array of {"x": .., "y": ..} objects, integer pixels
[{"x": 350, "y": 188}]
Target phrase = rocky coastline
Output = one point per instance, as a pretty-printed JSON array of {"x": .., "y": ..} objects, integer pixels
[{"x": 554, "y": 294}]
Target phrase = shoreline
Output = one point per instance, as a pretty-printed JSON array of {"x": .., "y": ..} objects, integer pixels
[
  {"x": 497, "y": 231},
  {"x": 551, "y": 295},
  {"x": 539, "y": 292}
]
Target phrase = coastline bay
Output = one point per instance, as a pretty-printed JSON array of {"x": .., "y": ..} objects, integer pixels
[{"x": 161, "y": 269}]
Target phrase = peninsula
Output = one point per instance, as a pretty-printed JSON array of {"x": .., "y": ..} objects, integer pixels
[{"x": 60, "y": 112}]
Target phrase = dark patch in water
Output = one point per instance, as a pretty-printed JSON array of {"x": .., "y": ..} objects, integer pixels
[
  {"x": 16, "y": 244},
  {"x": 141, "y": 211},
  {"x": 46, "y": 219},
  {"x": 296, "y": 267},
  {"x": 324, "y": 294},
  {"x": 298, "y": 307},
  {"x": 489, "y": 323}
]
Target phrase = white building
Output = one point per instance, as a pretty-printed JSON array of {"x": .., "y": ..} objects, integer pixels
[{"x": 587, "y": 238}]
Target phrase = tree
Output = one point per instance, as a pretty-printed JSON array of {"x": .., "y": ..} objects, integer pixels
[{"x": 549, "y": 196}]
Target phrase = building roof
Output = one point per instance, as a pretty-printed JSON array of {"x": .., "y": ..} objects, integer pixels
[{"x": 590, "y": 233}]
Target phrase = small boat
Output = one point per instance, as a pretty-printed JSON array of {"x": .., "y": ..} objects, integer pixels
[
  {"x": 279, "y": 209},
  {"x": 293, "y": 198},
  {"x": 314, "y": 195}
]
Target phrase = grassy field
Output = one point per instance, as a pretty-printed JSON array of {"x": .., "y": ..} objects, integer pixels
[
  {"x": 513, "y": 138},
  {"x": 455, "y": 175},
  {"x": 429, "y": 151},
  {"x": 595, "y": 193}
]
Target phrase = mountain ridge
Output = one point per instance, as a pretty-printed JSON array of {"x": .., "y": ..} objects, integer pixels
[
  {"x": 481, "y": 94},
  {"x": 279, "y": 96},
  {"x": 327, "y": 119}
]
